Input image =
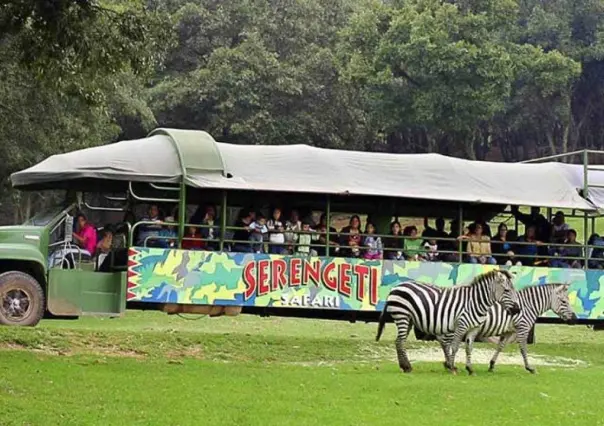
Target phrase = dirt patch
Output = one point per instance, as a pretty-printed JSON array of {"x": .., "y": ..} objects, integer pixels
[{"x": 483, "y": 356}]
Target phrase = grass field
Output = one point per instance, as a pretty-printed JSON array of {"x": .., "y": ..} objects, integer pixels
[{"x": 148, "y": 368}]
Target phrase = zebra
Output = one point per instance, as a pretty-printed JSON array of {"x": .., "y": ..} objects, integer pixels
[
  {"x": 442, "y": 311},
  {"x": 534, "y": 301}
]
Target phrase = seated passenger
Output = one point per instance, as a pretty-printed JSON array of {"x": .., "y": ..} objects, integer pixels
[
  {"x": 147, "y": 231},
  {"x": 85, "y": 236},
  {"x": 105, "y": 245},
  {"x": 531, "y": 249},
  {"x": 412, "y": 246},
  {"x": 502, "y": 247},
  {"x": 431, "y": 250},
  {"x": 486, "y": 229},
  {"x": 372, "y": 243},
  {"x": 276, "y": 233},
  {"x": 292, "y": 227},
  {"x": 242, "y": 233},
  {"x": 350, "y": 240},
  {"x": 393, "y": 244},
  {"x": 479, "y": 246},
  {"x": 192, "y": 239},
  {"x": 305, "y": 239},
  {"x": 566, "y": 252},
  {"x": 559, "y": 229},
  {"x": 322, "y": 239},
  {"x": 167, "y": 237},
  {"x": 596, "y": 254},
  {"x": 258, "y": 232}
]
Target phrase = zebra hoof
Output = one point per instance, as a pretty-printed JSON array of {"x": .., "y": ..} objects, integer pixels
[
  {"x": 491, "y": 369},
  {"x": 470, "y": 371},
  {"x": 491, "y": 366},
  {"x": 446, "y": 365},
  {"x": 406, "y": 370},
  {"x": 453, "y": 371},
  {"x": 531, "y": 370}
]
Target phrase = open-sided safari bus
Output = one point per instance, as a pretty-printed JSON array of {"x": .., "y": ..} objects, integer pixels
[{"x": 45, "y": 273}]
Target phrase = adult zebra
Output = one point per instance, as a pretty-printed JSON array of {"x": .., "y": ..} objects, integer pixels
[
  {"x": 444, "y": 311},
  {"x": 534, "y": 301}
]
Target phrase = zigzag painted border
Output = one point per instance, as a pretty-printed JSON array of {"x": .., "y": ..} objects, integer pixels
[{"x": 132, "y": 279}]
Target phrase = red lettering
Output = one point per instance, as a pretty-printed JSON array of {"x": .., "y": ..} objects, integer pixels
[
  {"x": 362, "y": 273},
  {"x": 312, "y": 272},
  {"x": 344, "y": 279},
  {"x": 249, "y": 279},
  {"x": 329, "y": 280},
  {"x": 263, "y": 275},
  {"x": 373, "y": 287},
  {"x": 278, "y": 273},
  {"x": 295, "y": 272}
]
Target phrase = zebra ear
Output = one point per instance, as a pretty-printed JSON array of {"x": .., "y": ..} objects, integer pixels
[{"x": 563, "y": 288}]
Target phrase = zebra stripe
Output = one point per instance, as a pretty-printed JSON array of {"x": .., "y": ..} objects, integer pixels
[
  {"x": 534, "y": 302},
  {"x": 442, "y": 311}
]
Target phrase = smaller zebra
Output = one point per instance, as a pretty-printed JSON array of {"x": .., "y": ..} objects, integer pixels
[
  {"x": 534, "y": 302},
  {"x": 445, "y": 311}
]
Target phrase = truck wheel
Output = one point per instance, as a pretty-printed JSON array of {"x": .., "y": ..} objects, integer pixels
[{"x": 21, "y": 299}]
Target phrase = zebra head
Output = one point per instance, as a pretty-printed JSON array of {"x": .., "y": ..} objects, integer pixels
[
  {"x": 504, "y": 290},
  {"x": 561, "y": 305}
]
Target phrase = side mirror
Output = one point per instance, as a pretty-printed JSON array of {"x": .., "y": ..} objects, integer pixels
[{"x": 68, "y": 226}]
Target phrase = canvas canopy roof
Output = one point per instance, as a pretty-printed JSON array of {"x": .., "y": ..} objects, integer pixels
[{"x": 168, "y": 155}]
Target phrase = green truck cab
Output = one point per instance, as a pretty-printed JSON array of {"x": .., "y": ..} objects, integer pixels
[{"x": 42, "y": 273}]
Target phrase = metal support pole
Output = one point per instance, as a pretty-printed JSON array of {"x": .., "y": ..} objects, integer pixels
[
  {"x": 223, "y": 221},
  {"x": 460, "y": 231},
  {"x": 585, "y": 195},
  {"x": 328, "y": 224},
  {"x": 182, "y": 211}
]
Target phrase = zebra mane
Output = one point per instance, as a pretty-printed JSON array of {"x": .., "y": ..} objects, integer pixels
[
  {"x": 489, "y": 276},
  {"x": 547, "y": 285}
]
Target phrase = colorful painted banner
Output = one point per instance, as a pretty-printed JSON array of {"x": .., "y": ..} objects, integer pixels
[{"x": 241, "y": 279}]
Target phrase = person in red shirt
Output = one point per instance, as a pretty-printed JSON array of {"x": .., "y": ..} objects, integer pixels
[{"x": 192, "y": 239}]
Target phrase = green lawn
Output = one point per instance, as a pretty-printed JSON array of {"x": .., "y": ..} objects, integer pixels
[{"x": 149, "y": 368}]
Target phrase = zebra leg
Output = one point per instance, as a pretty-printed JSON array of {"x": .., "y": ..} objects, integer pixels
[
  {"x": 445, "y": 343},
  {"x": 402, "y": 327},
  {"x": 454, "y": 348},
  {"x": 469, "y": 345},
  {"x": 522, "y": 339},
  {"x": 504, "y": 339}
]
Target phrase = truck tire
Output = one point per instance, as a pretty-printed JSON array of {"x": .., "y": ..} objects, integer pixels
[{"x": 21, "y": 299}]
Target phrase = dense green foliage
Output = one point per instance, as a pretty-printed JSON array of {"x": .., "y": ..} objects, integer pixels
[{"x": 500, "y": 79}]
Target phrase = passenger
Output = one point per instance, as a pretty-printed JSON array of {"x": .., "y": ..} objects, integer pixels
[
  {"x": 305, "y": 239},
  {"x": 146, "y": 232},
  {"x": 168, "y": 236},
  {"x": 85, "y": 236},
  {"x": 502, "y": 247},
  {"x": 431, "y": 250},
  {"x": 486, "y": 229},
  {"x": 242, "y": 233},
  {"x": 530, "y": 250},
  {"x": 438, "y": 232},
  {"x": 351, "y": 238},
  {"x": 536, "y": 219},
  {"x": 105, "y": 244},
  {"x": 322, "y": 233},
  {"x": 276, "y": 236},
  {"x": 479, "y": 246},
  {"x": 567, "y": 252},
  {"x": 559, "y": 228},
  {"x": 394, "y": 243},
  {"x": 292, "y": 227},
  {"x": 210, "y": 232},
  {"x": 596, "y": 253},
  {"x": 373, "y": 243},
  {"x": 412, "y": 246},
  {"x": 258, "y": 233},
  {"x": 193, "y": 240}
]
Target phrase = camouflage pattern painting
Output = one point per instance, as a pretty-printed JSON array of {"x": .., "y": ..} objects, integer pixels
[{"x": 242, "y": 279}]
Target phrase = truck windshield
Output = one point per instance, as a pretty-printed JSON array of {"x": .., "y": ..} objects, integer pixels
[{"x": 47, "y": 214}]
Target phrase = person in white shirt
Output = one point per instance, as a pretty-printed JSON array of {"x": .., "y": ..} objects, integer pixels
[
  {"x": 276, "y": 235},
  {"x": 292, "y": 227},
  {"x": 305, "y": 239}
]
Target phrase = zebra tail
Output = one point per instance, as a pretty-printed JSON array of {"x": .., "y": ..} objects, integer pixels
[{"x": 382, "y": 322}]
